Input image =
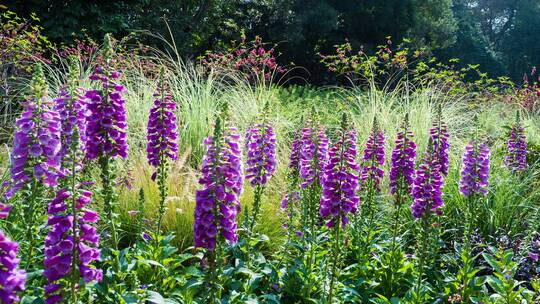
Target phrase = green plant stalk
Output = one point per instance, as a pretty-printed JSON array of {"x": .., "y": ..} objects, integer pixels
[
  {"x": 162, "y": 177},
  {"x": 75, "y": 251},
  {"x": 395, "y": 225},
  {"x": 29, "y": 214},
  {"x": 422, "y": 257},
  {"x": 107, "y": 178},
  {"x": 335, "y": 259},
  {"x": 259, "y": 189}
]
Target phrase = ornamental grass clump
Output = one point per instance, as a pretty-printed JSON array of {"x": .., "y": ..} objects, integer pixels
[
  {"x": 162, "y": 142},
  {"x": 339, "y": 190},
  {"x": 106, "y": 131},
  {"x": 260, "y": 144}
]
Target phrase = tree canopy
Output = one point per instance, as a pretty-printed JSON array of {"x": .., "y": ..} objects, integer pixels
[{"x": 500, "y": 35}]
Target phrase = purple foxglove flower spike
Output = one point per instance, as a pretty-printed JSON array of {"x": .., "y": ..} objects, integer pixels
[
  {"x": 474, "y": 169},
  {"x": 427, "y": 187},
  {"x": 12, "y": 279},
  {"x": 261, "y": 154},
  {"x": 73, "y": 113},
  {"x": 516, "y": 157},
  {"x": 294, "y": 159},
  {"x": 313, "y": 155},
  {"x": 340, "y": 182},
  {"x": 72, "y": 237},
  {"x": 106, "y": 131},
  {"x": 374, "y": 157},
  {"x": 36, "y": 143},
  {"x": 162, "y": 134},
  {"x": 218, "y": 203},
  {"x": 403, "y": 162},
  {"x": 439, "y": 137}
]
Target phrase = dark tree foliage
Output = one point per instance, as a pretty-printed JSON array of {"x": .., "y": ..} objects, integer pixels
[{"x": 500, "y": 35}]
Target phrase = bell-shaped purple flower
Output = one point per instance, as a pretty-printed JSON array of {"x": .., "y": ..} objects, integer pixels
[
  {"x": 162, "y": 134},
  {"x": 36, "y": 146},
  {"x": 261, "y": 154},
  {"x": 313, "y": 155},
  {"x": 403, "y": 162},
  {"x": 71, "y": 238},
  {"x": 474, "y": 169},
  {"x": 516, "y": 157},
  {"x": 427, "y": 187},
  {"x": 340, "y": 182},
  {"x": 218, "y": 203},
  {"x": 374, "y": 158},
  {"x": 106, "y": 131}
]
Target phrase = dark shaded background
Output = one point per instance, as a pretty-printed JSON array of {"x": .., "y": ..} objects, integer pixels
[{"x": 500, "y": 35}]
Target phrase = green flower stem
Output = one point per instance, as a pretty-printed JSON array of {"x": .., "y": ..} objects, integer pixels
[
  {"x": 335, "y": 261},
  {"x": 107, "y": 178},
  {"x": 422, "y": 256}
]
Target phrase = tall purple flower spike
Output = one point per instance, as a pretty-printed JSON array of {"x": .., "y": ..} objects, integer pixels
[
  {"x": 340, "y": 182},
  {"x": 403, "y": 162},
  {"x": 12, "y": 279},
  {"x": 439, "y": 136},
  {"x": 36, "y": 143},
  {"x": 427, "y": 187},
  {"x": 162, "y": 134},
  {"x": 218, "y": 203},
  {"x": 62, "y": 242},
  {"x": 294, "y": 158},
  {"x": 313, "y": 155},
  {"x": 261, "y": 154},
  {"x": 374, "y": 158},
  {"x": 106, "y": 131},
  {"x": 474, "y": 169},
  {"x": 73, "y": 113},
  {"x": 516, "y": 157}
]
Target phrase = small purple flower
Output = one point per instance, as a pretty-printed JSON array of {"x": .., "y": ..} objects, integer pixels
[
  {"x": 218, "y": 203},
  {"x": 106, "y": 131},
  {"x": 313, "y": 155},
  {"x": 403, "y": 162},
  {"x": 340, "y": 182},
  {"x": 289, "y": 198},
  {"x": 516, "y": 157},
  {"x": 427, "y": 187},
  {"x": 162, "y": 134},
  {"x": 533, "y": 256},
  {"x": 72, "y": 237},
  {"x": 474, "y": 169},
  {"x": 261, "y": 154},
  {"x": 374, "y": 158}
]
